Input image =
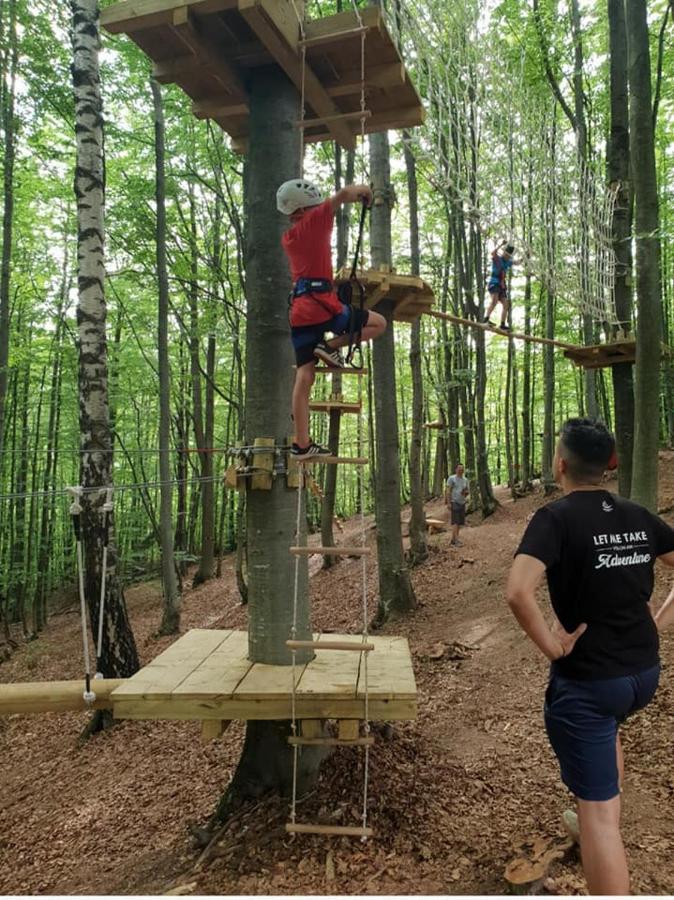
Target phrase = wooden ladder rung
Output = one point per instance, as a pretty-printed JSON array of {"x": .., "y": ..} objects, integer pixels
[
  {"x": 334, "y": 460},
  {"x": 330, "y": 645},
  {"x": 331, "y": 742},
  {"x": 334, "y": 37},
  {"x": 325, "y": 120},
  {"x": 345, "y": 830},
  {"x": 331, "y": 370},
  {"x": 331, "y": 551}
]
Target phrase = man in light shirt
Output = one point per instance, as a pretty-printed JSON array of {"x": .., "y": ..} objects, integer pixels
[{"x": 456, "y": 496}]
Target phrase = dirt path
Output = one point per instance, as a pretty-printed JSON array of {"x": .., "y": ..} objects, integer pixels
[{"x": 453, "y": 795}]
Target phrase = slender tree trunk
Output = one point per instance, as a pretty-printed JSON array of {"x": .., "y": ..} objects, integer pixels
[
  {"x": 119, "y": 658},
  {"x": 396, "y": 595},
  {"x": 646, "y": 220},
  {"x": 170, "y": 622},
  {"x": 8, "y": 129},
  {"x": 619, "y": 179},
  {"x": 418, "y": 546}
]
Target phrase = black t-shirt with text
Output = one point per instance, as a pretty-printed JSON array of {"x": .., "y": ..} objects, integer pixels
[{"x": 599, "y": 552}]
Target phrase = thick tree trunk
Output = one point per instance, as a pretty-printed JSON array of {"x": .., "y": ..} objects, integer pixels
[
  {"x": 646, "y": 220},
  {"x": 618, "y": 170},
  {"x": 396, "y": 595},
  {"x": 119, "y": 658},
  {"x": 418, "y": 545},
  {"x": 170, "y": 622},
  {"x": 266, "y": 760}
]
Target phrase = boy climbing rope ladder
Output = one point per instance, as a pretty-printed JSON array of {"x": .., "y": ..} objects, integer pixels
[
  {"x": 497, "y": 287},
  {"x": 315, "y": 307}
]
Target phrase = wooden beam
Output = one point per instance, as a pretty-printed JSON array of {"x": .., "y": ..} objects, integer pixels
[
  {"x": 389, "y": 75},
  {"x": 335, "y": 460},
  {"x": 482, "y": 326},
  {"x": 331, "y": 551},
  {"x": 55, "y": 696},
  {"x": 327, "y": 120},
  {"x": 392, "y": 120},
  {"x": 333, "y": 37},
  {"x": 340, "y": 830},
  {"x": 212, "y": 729},
  {"x": 371, "y": 17},
  {"x": 358, "y": 646},
  {"x": 330, "y": 742},
  {"x": 184, "y": 27},
  {"x": 269, "y": 21},
  {"x": 218, "y": 109},
  {"x": 348, "y": 729},
  {"x": 135, "y": 15}
]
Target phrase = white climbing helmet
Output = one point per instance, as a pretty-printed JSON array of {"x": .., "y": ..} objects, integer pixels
[{"x": 296, "y": 194}]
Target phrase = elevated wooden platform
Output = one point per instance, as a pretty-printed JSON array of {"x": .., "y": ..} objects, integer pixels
[
  {"x": 597, "y": 356},
  {"x": 206, "y": 675},
  {"x": 207, "y": 47},
  {"x": 410, "y": 294}
]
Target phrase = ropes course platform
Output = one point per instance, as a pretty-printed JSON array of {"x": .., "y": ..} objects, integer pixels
[
  {"x": 206, "y": 674},
  {"x": 411, "y": 296},
  {"x": 208, "y": 47},
  {"x": 597, "y": 356}
]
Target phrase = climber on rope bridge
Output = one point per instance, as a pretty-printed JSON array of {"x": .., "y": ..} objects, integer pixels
[
  {"x": 501, "y": 263},
  {"x": 598, "y": 552},
  {"x": 315, "y": 307}
]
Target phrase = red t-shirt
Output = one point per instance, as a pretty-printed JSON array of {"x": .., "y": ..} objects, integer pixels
[{"x": 307, "y": 246}]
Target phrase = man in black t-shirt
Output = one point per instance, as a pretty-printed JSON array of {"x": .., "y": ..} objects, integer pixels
[{"x": 598, "y": 552}]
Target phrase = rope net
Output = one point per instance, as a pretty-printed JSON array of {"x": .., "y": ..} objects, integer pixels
[{"x": 493, "y": 148}]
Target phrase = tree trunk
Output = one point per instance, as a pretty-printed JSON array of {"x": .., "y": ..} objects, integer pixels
[
  {"x": 266, "y": 760},
  {"x": 119, "y": 658},
  {"x": 417, "y": 530},
  {"x": 649, "y": 301},
  {"x": 618, "y": 171},
  {"x": 170, "y": 622},
  {"x": 396, "y": 595},
  {"x": 7, "y": 117}
]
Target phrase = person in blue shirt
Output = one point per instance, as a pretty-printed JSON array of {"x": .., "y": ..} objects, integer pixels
[{"x": 501, "y": 262}]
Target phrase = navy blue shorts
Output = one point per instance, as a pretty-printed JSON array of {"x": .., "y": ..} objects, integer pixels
[
  {"x": 306, "y": 338},
  {"x": 582, "y": 719},
  {"x": 494, "y": 287}
]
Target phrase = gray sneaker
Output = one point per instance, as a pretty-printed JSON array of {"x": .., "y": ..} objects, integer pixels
[{"x": 330, "y": 357}]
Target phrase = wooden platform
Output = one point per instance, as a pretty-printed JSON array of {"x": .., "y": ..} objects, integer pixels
[
  {"x": 335, "y": 404},
  {"x": 207, "y": 47},
  {"x": 597, "y": 356},
  {"x": 206, "y": 675},
  {"x": 411, "y": 295}
]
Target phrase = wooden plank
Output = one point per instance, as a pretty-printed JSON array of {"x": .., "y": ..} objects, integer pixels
[
  {"x": 325, "y": 120},
  {"x": 212, "y": 729},
  {"x": 336, "y": 830},
  {"x": 348, "y": 729},
  {"x": 311, "y": 728},
  {"x": 335, "y": 460},
  {"x": 220, "y": 673},
  {"x": 163, "y": 675},
  {"x": 135, "y": 15},
  {"x": 214, "y": 109},
  {"x": 55, "y": 696},
  {"x": 371, "y": 17},
  {"x": 381, "y": 77},
  {"x": 266, "y": 19},
  {"x": 390, "y": 673},
  {"x": 200, "y": 45},
  {"x": 470, "y": 323},
  {"x": 334, "y": 707},
  {"x": 331, "y": 551},
  {"x": 330, "y": 370},
  {"x": 396, "y": 119},
  {"x": 262, "y": 481},
  {"x": 330, "y": 675},
  {"x": 330, "y": 742},
  {"x": 329, "y": 405}
]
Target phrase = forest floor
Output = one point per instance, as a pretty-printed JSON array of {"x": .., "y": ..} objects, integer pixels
[{"x": 456, "y": 795}]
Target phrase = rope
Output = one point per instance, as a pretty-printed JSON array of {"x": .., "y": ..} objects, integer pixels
[
  {"x": 293, "y": 636},
  {"x": 62, "y": 492},
  {"x": 75, "y": 512},
  {"x": 363, "y": 542},
  {"x": 300, "y": 20},
  {"x": 107, "y": 509}
]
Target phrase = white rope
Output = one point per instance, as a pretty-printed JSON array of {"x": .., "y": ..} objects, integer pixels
[
  {"x": 106, "y": 509},
  {"x": 365, "y": 654},
  {"x": 293, "y": 636},
  {"x": 300, "y": 20},
  {"x": 75, "y": 512}
]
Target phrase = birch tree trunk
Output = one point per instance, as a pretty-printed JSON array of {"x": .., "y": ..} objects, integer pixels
[
  {"x": 119, "y": 658},
  {"x": 646, "y": 220}
]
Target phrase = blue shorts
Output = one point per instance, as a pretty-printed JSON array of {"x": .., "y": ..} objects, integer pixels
[
  {"x": 494, "y": 287},
  {"x": 306, "y": 338},
  {"x": 582, "y": 719}
]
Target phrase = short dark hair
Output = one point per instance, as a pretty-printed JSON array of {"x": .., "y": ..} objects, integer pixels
[
  {"x": 587, "y": 446},
  {"x": 510, "y": 249}
]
